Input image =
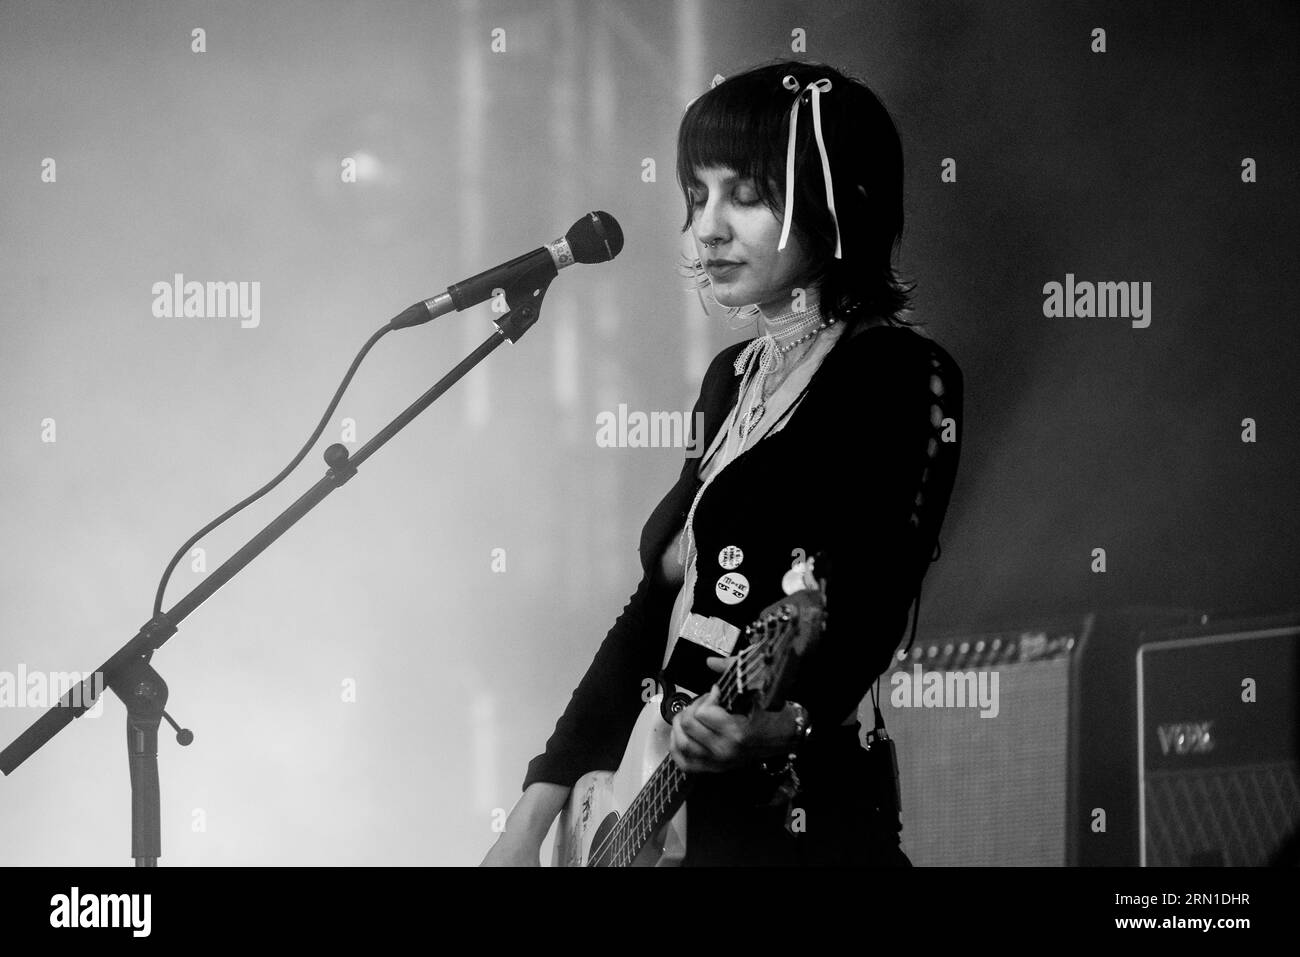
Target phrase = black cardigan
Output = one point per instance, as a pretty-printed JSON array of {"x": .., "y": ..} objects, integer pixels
[{"x": 860, "y": 472}]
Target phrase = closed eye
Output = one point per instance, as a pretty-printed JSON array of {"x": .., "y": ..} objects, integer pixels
[{"x": 745, "y": 194}]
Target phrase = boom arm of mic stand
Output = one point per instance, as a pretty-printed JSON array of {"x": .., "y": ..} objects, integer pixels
[{"x": 128, "y": 672}]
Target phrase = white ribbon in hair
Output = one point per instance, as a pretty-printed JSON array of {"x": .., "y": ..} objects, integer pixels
[{"x": 817, "y": 88}]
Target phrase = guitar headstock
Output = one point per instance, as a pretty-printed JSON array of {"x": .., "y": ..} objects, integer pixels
[{"x": 782, "y": 636}]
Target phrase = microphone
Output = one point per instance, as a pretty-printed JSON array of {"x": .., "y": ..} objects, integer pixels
[{"x": 596, "y": 238}]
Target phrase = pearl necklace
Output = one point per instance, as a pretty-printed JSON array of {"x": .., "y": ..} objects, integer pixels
[
  {"x": 826, "y": 324},
  {"x": 771, "y": 358}
]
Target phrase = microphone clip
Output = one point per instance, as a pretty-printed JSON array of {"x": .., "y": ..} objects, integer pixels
[{"x": 524, "y": 297}]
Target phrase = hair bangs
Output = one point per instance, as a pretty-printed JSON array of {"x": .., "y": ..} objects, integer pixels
[{"x": 724, "y": 129}]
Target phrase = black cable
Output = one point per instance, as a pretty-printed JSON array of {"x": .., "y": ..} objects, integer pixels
[{"x": 162, "y": 585}]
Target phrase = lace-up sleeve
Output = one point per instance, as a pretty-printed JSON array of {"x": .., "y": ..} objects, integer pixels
[{"x": 899, "y": 469}]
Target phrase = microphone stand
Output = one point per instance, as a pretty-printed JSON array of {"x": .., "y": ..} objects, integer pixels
[{"x": 128, "y": 672}]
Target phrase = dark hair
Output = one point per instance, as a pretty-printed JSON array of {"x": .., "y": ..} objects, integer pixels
[{"x": 743, "y": 124}]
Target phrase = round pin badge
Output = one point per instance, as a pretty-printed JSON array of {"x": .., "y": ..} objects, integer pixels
[
  {"x": 732, "y": 588},
  {"x": 730, "y": 557},
  {"x": 792, "y": 581}
]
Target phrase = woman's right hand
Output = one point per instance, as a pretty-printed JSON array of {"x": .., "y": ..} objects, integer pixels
[{"x": 513, "y": 852}]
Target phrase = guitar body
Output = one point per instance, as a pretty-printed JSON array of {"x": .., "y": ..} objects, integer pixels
[
  {"x": 600, "y": 798},
  {"x": 636, "y": 816}
]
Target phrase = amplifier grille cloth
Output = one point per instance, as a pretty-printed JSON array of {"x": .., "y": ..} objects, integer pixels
[
  {"x": 1233, "y": 816},
  {"x": 986, "y": 791}
]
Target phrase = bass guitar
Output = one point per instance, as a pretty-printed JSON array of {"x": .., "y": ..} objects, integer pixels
[{"x": 636, "y": 815}]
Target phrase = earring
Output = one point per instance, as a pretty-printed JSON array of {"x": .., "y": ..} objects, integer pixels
[{"x": 692, "y": 268}]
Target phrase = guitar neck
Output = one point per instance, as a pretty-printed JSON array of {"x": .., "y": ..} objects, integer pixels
[
  {"x": 662, "y": 795},
  {"x": 782, "y": 635},
  {"x": 656, "y": 802}
]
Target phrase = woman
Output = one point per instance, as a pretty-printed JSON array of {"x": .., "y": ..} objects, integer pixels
[{"x": 832, "y": 433}]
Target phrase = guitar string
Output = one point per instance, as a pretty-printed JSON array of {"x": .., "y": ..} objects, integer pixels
[
  {"x": 632, "y": 823},
  {"x": 632, "y": 830},
  {"x": 635, "y": 830},
  {"x": 630, "y": 833}
]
